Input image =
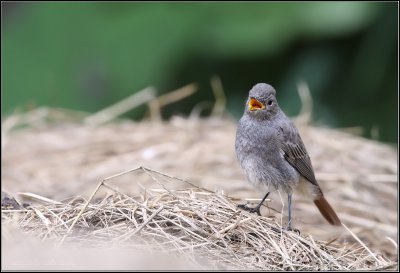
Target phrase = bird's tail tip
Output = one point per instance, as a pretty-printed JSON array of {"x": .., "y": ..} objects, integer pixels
[{"x": 327, "y": 211}]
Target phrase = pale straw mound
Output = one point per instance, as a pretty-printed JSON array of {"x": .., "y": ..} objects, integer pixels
[
  {"x": 57, "y": 157},
  {"x": 202, "y": 226}
]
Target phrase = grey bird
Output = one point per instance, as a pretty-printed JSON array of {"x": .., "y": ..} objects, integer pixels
[{"x": 272, "y": 154}]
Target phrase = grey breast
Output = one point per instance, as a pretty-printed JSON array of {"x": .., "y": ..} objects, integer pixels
[{"x": 259, "y": 154}]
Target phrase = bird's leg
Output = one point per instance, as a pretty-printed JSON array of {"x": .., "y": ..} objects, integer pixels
[
  {"x": 255, "y": 209},
  {"x": 289, "y": 226}
]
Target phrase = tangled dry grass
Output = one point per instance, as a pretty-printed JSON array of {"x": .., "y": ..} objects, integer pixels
[
  {"x": 53, "y": 153},
  {"x": 200, "y": 225}
]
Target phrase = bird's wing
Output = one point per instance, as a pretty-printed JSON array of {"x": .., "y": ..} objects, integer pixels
[{"x": 295, "y": 152}]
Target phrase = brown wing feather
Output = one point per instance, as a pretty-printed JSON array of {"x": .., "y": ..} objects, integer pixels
[{"x": 296, "y": 154}]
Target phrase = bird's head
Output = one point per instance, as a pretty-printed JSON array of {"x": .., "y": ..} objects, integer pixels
[{"x": 262, "y": 102}]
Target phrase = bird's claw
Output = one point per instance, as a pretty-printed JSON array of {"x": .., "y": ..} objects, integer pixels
[
  {"x": 289, "y": 228},
  {"x": 285, "y": 229},
  {"x": 251, "y": 210}
]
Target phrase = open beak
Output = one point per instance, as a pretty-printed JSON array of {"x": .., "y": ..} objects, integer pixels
[{"x": 255, "y": 104}]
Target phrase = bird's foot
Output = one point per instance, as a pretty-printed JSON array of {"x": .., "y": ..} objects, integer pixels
[
  {"x": 251, "y": 210},
  {"x": 279, "y": 230},
  {"x": 289, "y": 228}
]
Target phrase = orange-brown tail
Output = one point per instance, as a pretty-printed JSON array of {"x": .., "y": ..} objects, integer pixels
[{"x": 327, "y": 211}]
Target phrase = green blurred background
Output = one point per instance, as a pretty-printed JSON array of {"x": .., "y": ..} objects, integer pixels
[{"x": 86, "y": 56}]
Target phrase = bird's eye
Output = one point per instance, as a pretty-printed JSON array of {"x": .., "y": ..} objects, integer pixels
[{"x": 270, "y": 102}]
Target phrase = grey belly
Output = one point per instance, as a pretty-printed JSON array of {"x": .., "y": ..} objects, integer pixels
[{"x": 268, "y": 177}]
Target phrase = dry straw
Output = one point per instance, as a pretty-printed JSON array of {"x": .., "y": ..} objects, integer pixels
[
  {"x": 200, "y": 224},
  {"x": 51, "y": 154}
]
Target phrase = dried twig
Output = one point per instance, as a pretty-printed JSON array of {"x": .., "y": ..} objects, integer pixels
[{"x": 121, "y": 107}]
